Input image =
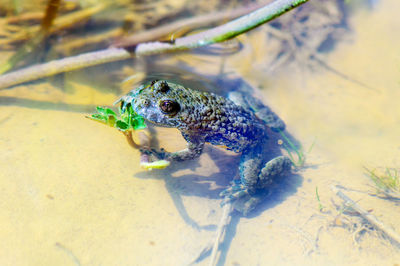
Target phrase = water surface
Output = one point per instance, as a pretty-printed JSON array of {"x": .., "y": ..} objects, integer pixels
[{"x": 72, "y": 191}]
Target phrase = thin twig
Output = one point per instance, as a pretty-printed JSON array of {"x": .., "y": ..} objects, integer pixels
[
  {"x": 213, "y": 246},
  {"x": 33, "y": 45},
  {"x": 225, "y": 219},
  {"x": 198, "y": 21},
  {"x": 69, "y": 253},
  {"x": 368, "y": 216},
  {"x": 59, "y": 24},
  {"x": 217, "y": 34},
  {"x": 322, "y": 63}
]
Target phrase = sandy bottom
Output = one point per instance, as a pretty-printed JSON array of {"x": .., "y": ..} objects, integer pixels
[{"x": 72, "y": 192}]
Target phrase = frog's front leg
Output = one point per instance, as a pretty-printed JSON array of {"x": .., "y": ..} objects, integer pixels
[
  {"x": 245, "y": 193},
  {"x": 195, "y": 146},
  {"x": 193, "y": 150}
]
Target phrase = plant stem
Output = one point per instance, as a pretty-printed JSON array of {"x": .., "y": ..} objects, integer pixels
[
  {"x": 129, "y": 138},
  {"x": 217, "y": 34},
  {"x": 223, "y": 223},
  {"x": 190, "y": 23}
]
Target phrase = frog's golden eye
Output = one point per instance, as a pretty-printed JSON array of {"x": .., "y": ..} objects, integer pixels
[{"x": 169, "y": 107}]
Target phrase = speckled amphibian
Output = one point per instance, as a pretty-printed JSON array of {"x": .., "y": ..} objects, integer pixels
[{"x": 206, "y": 117}]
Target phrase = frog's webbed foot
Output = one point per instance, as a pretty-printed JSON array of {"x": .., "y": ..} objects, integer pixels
[
  {"x": 193, "y": 150},
  {"x": 239, "y": 195},
  {"x": 161, "y": 154},
  {"x": 235, "y": 191},
  {"x": 245, "y": 194},
  {"x": 243, "y": 201}
]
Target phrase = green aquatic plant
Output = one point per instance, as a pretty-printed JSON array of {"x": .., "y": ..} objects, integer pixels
[
  {"x": 320, "y": 206},
  {"x": 126, "y": 121},
  {"x": 294, "y": 151},
  {"x": 386, "y": 181}
]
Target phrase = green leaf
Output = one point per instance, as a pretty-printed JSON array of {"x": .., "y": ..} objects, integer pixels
[
  {"x": 101, "y": 110},
  {"x": 121, "y": 125},
  {"x": 111, "y": 112},
  {"x": 128, "y": 120},
  {"x": 138, "y": 123},
  {"x": 98, "y": 117}
]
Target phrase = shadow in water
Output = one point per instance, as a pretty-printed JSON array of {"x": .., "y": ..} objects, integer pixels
[
  {"x": 210, "y": 186},
  {"x": 195, "y": 185}
]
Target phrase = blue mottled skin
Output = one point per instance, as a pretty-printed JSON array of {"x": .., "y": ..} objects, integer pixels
[{"x": 237, "y": 123}]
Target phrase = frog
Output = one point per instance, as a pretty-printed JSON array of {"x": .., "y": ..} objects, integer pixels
[{"x": 236, "y": 122}]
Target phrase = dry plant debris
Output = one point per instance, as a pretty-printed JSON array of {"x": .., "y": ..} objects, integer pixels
[
  {"x": 372, "y": 221},
  {"x": 322, "y": 21}
]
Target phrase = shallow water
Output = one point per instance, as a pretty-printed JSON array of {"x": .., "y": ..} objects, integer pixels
[{"x": 72, "y": 191}]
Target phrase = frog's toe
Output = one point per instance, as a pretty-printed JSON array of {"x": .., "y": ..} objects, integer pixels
[
  {"x": 239, "y": 194},
  {"x": 153, "y": 152},
  {"x": 234, "y": 193},
  {"x": 233, "y": 197},
  {"x": 243, "y": 201},
  {"x": 236, "y": 187}
]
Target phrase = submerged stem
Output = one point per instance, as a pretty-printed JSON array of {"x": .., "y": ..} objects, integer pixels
[
  {"x": 129, "y": 138},
  {"x": 223, "y": 223},
  {"x": 217, "y": 34}
]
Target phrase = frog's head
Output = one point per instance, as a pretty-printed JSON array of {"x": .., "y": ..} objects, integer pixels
[{"x": 160, "y": 102}]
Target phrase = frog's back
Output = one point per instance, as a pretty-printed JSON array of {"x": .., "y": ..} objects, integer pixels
[{"x": 222, "y": 122}]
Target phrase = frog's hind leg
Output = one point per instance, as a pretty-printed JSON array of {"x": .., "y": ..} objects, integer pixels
[
  {"x": 248, "y": 192},
  {"x": 272, "y": 170},
  {"x": 261, "y": 111},
  {"x": 249, "y": 170},
  {"x": 276, "y": 167}
]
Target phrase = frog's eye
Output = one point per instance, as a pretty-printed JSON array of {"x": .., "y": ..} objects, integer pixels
[{"x": 169, "y": 107}]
